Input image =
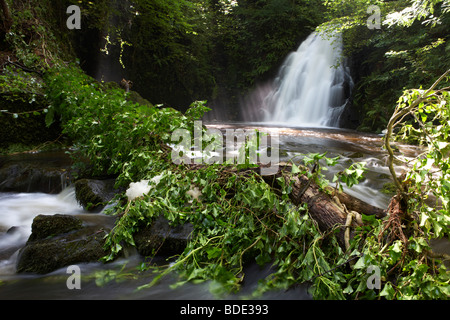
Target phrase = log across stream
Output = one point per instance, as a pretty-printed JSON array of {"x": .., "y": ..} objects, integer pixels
[{"x": 330, "y": 208}]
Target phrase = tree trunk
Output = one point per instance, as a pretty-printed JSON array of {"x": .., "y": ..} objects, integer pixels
[
  {"x": 330, "y": 208},
  {"x": 7, "y": 18},
  {"x": 327, "y": 210},
  {"x": 355, "y": 204}
]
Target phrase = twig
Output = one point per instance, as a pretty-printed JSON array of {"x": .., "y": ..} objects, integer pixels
[
  {"x": 23, "y": 67},
  {"x": 242, "y": 253}
]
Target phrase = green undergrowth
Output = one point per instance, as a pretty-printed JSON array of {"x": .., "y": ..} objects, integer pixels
[{"x": 238, "y": 217}]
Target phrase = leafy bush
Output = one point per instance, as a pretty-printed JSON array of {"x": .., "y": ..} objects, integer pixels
[{"x": 113, "y": 134}]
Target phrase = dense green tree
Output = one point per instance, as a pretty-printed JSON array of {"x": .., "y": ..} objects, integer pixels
[
  {"x": 179, "y": 51},
  {"x": 409, "y": 50}
]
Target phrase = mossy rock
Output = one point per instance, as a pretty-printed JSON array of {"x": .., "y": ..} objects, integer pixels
[
  {"x": 59, "y": 241},
  {"x": 93, "y": 195},
  {"x": 44, "y": 227},
  {"x": 162, "y": 238}
]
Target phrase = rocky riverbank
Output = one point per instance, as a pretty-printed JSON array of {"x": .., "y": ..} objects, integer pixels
[{"x": 60, "y": 240}]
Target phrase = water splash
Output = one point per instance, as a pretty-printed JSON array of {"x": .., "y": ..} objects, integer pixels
[
  {"x": 312, "y": 88},
  {"x": 19, "y": 210}
]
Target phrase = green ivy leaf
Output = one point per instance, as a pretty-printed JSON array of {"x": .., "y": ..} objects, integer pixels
[
  {"x": 388, "y": 291},
  {"x": 295, "y": 169}
]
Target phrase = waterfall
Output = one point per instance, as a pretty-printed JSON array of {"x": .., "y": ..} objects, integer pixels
[{"x": 311, "y": 89}]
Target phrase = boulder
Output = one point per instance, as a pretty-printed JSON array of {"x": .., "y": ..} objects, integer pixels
[
  {"x": 45, "y": 227},
  {"x": 162, "y": 238},
  {"x": 93, "y": 195},
  {"x": 25, "y": 130},
  {"x": 61, "y": 240}
]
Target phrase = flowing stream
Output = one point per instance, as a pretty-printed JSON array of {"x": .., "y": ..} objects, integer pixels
[{"x": 100, "y": 281}]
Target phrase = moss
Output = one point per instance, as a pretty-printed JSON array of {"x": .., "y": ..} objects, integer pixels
[
  {"x": 135, "y": 97},
  {"x": 95, "y": 194},
  {"x": 44, "y": 227},
  {"x": 389, "y": 188}
]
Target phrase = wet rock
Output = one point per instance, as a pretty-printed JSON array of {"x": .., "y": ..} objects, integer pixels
[
  {"x": 13, "y": 230},
  {"x": 93, "y": 195},
  {"x": 59, "y": 241},
  {"x": 135, "y": 97},
  {"x": 47, "y": 172},
  {"x": 161, "y": 238},
  {"x": 356, "y": 155},
  {"x": 44, "y": 227}
]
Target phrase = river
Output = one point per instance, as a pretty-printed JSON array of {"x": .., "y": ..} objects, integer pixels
[{"x": 100, "y": 281}]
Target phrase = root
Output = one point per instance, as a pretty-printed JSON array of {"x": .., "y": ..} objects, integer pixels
[
  {"x": 394, "y": 224},
  {"x": 393, "y": 227},
  {"x": 348, "y": 223}
]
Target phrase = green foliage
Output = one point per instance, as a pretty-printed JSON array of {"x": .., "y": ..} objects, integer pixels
[
  {"x": 238, "y": 218},
  {"x": 111, "y": 133},
  {"x": 236, "y": 221},
  {"x": 165, "y": 43},
  {"x": 430, "y": 172},
  {"x": 405, "y": 53},
  {"x": 18, "y": 85},
  {"x": 414, "y": 221},
  {"x": 23, "y": 108}
]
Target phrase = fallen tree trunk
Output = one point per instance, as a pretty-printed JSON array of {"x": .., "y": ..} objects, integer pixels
[
  {"x": 355, "y": 204},
  {"x": 329, "y": 209}
]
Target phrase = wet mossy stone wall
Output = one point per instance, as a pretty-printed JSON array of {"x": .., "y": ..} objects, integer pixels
[{"x": 25, "y": 128}]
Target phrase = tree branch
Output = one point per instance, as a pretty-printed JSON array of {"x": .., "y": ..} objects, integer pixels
[
  {"x": 18, "y": 65},
  {"x": 393, "y": 122}
]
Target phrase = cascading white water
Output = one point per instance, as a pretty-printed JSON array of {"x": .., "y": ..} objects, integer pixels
[
  {"x": 17, "y": 210},
  {"x": 312, "y": 87}
]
